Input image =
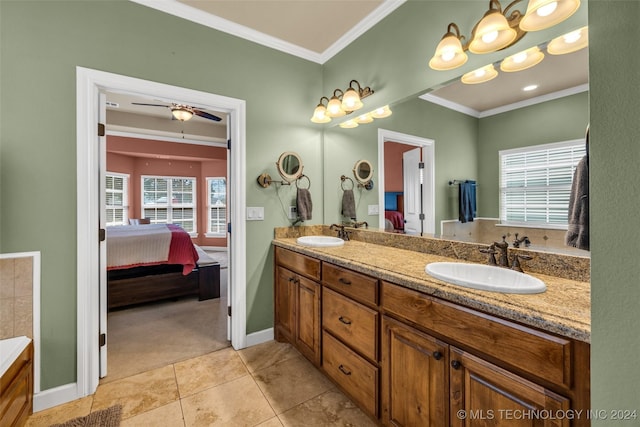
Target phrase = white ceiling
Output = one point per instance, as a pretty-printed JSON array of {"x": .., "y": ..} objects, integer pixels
[{"x": 316, "y": 30}]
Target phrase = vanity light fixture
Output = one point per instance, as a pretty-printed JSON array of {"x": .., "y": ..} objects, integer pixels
[
  {"x": 381, "y": 113},
  {"x": 341, "y": 102},
  {"x": 349, "y": 124},
  {"x": 498, "y": 29},
  {"x": 378, "y": 113},
  {"x": 522, "y": 60},
  {"x": 481, "y": 75},
  {"x": 570, "y": 42}
]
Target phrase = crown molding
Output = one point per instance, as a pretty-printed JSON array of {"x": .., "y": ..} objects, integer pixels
[
  {"x": 505, "y": 108},
  {"x": 189, "y": 13}
]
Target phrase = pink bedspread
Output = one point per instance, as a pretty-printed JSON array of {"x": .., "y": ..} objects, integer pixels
[
  {"x": 145, "y": 245},
  {"x": 396, "y": 219}
]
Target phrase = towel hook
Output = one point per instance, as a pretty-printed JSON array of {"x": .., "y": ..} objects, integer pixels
[
  {"x": 343, "y": 178},
  {"x": 308, "y": 180}
]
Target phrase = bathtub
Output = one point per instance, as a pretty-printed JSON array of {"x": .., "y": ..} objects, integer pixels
[{"x": 16, "y": 381}]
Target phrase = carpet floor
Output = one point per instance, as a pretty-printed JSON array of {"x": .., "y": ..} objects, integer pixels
[{"x": 154, "y": 335}]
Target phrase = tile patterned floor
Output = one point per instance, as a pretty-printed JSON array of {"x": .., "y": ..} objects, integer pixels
[{"x": 267, "y": 385}]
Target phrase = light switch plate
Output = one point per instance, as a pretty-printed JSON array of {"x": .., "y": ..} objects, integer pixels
[
  {"x": 255, "y": 213},
  {"x": 373, "y": 209}
]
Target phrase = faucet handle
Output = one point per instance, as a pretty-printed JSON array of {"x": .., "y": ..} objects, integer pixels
[
  {"x": 491, "y": 251},
  {"x": 515, "y": 265}
]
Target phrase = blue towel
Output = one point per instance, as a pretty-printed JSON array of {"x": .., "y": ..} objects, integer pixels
[{"x": 467, "y": 200}]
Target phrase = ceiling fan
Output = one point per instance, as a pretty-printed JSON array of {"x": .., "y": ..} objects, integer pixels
[{"x": 183, "y": 112}]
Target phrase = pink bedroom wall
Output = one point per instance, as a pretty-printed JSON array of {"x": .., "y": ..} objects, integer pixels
[
  {"x": 393, "y": 165},
  {"x": 138, "y": 157}
]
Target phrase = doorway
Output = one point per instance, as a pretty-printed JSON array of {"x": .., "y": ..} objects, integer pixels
[
  {"x": 90, "y": 83},
  {"x": 422, "y": 200}
]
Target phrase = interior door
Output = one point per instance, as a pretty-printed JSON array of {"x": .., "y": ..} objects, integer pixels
[
  {"x": 227, "y": 271},
  {"x": 412, "y": 190},
  {"x": 102, "y": 168}
]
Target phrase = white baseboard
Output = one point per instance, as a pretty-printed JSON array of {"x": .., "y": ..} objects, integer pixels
[
  {"x": 214, "y": 248},
  {"x": 260, "y": 337},
  {"x": 55, "y": 396}
]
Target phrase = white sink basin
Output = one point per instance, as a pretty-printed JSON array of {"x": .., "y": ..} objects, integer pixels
[
  {"x": 486, "y": 277},
  {"x": 320, "y": 241}
]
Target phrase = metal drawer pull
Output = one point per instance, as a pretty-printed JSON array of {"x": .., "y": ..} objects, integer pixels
[
  {"x": 343, "y": 370},
  {"x": 344, "y": 320},
  {"x": 344, "y": 281}
]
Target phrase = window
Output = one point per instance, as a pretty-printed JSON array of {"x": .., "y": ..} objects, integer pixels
[
  {"x": 117, "y": 199},
  {"x": 535, "y": 183},
  {"x": 170, "y": 200},
  {"x": 217, "y": 206}
]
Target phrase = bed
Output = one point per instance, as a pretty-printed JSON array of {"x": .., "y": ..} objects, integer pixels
[
  {"x": 153, "y": 262},
  {"x": 394, "y": 211}
]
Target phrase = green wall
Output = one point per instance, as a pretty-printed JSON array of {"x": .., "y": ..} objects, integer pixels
[
  {"x": 42, "y": 42},
  {"x": 562, "y": 119}
]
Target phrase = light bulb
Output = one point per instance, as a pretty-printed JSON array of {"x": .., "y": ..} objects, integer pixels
[
  {"x": 547, "y": 9},
  {"x": 490, "y": 37}
]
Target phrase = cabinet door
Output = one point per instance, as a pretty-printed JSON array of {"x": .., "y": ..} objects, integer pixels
[
  {"x": 308, "y": 319},
  {"x": 285, "y": 301},
  {"x": 485, "y": 394},
  {"x": 414, "y": 385}
]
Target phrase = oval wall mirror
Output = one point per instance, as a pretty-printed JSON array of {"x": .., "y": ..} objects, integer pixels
[
  {"x": 363, "y": 171},
  {"x": 290, "y": 166}
]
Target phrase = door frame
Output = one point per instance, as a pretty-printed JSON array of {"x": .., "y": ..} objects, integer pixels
[
  {"x": 89, "y": 83},
  {"x": 428, "y": 146}
]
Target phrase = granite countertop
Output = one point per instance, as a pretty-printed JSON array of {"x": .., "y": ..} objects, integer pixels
[{"x": 563, "y": 309}]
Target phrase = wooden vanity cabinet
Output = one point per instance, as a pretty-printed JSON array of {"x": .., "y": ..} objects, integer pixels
[
  {"x": 350, "y": 334},
  {"x": 297, "y": 302}
]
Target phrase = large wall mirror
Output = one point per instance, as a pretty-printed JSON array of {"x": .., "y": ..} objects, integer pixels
[{"x": 482, "y": 119}]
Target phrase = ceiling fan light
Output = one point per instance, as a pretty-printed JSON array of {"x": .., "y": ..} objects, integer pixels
[
  {"x": 351, "y": 100},
  {"x": 481, "y": 75},
  {"x": 522, "y": 60},
  {"x": 570, "y": 42},
  {"x": 334, "y": 108},
  {"x": 543, "y": 14},
  {"x": 181, "y": 114},
  {"x": 320, "y": 115},
  {"x": 492, "y": 33},
  {"x": 449, "y": 53}
]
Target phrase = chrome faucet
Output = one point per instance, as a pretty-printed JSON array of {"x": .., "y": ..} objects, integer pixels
[
  {"x": 525, "y": 239},
  {"x": 342, "y": 233}
]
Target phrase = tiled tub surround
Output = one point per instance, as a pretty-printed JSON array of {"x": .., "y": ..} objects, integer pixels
[{"x": 564, "y": 308}]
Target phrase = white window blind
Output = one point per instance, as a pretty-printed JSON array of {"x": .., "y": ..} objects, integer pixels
[
  {"x": 170, "y": 200},
  {"x": 535, "y": 183},
  {"x": 117, "y": 199},
  {"x": 217, "y": 206}
]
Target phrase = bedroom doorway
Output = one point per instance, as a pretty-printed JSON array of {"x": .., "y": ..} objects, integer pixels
[
  {"x": 90, "y": 83},
  {"x": 146, "y": 146},
  {"x": 421, "y": 198}
]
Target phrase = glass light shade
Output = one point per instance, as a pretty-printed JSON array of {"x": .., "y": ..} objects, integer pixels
[
  {"x": 351, "y": 100},
  {"x": 349, "y": 124},
  {"x": 481, "y": 75},
  {"x": 492, "y": 33},
  {"x": 522, "y": 60},
  {"x": 543, "y": 14},
  {"x": 381, "y": 113},
  {"x": 334, "y": 108},
  {"x": 320, "y": 115},
  {"x": 181, "y": 114},
  {"x": 449, "y": 54},
  {"x": 364, "y": 118},
  {"x": 570, "y": 42}
]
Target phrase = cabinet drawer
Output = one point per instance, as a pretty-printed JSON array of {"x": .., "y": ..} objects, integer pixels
[
  {"x": 352, "y": 322},
  {"x": 358, "y": 286},
  {"x": 299, "y": 263},
  {"x": 538, "y": 353},
  {"x": 355, "y": 375}
]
